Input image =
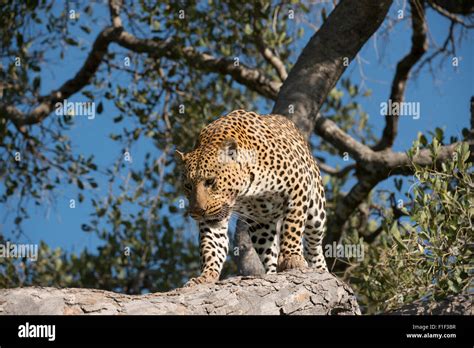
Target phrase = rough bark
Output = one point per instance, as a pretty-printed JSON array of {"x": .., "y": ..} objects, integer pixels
[
  {"x": 295, "y": 292},
  {"x": 324, "y": 59},
  {"x": 248, "y": 262}
]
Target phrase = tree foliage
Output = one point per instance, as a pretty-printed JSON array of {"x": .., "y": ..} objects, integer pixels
[
  {"x": 428, "y": 254},
  {"x": 177, "y": 70}
]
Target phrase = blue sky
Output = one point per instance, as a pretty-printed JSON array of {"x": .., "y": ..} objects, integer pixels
[{"x": 444, "y": 102}]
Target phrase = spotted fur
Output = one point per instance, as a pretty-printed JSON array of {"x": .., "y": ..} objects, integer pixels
[{"x": 261, "y": 169}]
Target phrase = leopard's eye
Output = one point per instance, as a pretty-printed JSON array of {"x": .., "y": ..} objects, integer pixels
[
  {"x": 210, "y": 182},
  {"x": 188, "y": 187}
]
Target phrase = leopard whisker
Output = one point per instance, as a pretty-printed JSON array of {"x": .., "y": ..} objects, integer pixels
[{"x": 243, "y": 217}]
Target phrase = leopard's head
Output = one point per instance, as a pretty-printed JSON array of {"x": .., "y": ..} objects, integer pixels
[{"x": 213, "y": 179}]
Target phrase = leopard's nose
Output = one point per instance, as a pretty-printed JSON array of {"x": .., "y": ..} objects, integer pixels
[{"x": 197, "y": 212}]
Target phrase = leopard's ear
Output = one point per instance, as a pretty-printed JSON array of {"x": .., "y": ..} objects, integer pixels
[{"x": 180, "y": 156}]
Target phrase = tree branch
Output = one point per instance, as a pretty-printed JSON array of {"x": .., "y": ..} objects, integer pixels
[
  {"x": 304, "y": 291},
  {"x": 115, "y": 7},
  {"x": 398, "y": 163},
  {"x": 321, "y": 63},
  {"x": 269, "y": 56},
  {"x": 452, "y": 17},
  {"x": 248, "y": 262},
  {"x": 329, "y": 131},
  {"x": 462, "y": 7},
  {"x": 252, "y": 78},
  {"x": 275, "y": 61},
  {"x": 380, "y": 166},
  {"x": 443, "y": 49},
  {"x": 315, "y": 73},
  {"x": 74, "y": 85},
  {"x": 338, "y": 173},
  {"x": 419, "y": 45}
]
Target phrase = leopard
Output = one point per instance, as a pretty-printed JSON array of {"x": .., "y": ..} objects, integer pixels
[{"x": 259, "y": 168}]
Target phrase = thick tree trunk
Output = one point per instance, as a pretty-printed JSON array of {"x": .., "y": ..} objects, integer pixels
[
  {"x": 326, "y": 56},
  {"x": 294, "y": 292}
]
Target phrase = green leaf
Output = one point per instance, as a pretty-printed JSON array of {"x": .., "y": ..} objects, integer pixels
[
  {"x": 136, "y": 133},
  {"x": 247, "y": 29},
  {"x": 71, "y": 41},
  {"x": 395, "y": 233},
  {"x": 86, "y": 228},
  {"x": 85, "y": 29},
  {"x": 423, "y": 140},
  {"x": 92, "y": 166},
  {"x": 19, "y": 39},
  {"x": 36, "y": 83},
  {"x": 88, "y": 94},
  {"x": 439, "y": 134}
]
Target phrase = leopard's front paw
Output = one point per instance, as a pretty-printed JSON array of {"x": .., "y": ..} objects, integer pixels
[
  {"x": 291, "y": 261},
  {"x": 202, "y": 279}
]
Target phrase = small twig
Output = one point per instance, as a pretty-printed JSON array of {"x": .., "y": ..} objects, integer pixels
[{"x": 338, "y": 173}]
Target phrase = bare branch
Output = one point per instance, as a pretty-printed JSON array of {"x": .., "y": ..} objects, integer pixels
[
  {"x": 443, "y": 49},
  {"x": 419, "y": 45},
  {"x": 115, "y": 7},
  {"x": 275, "y": 62},
  {"x": 462, "y": 7},
  {"x": 270, "y": 57},
  {"x": 251, "y": 77},
  {"x": 452, "y": 17},
  {"x": 370, "y": 238},
  {"x": 338, "y": 173},
  {"x": 79, "y": 81},
  {"x": 342, "y": 141}
]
